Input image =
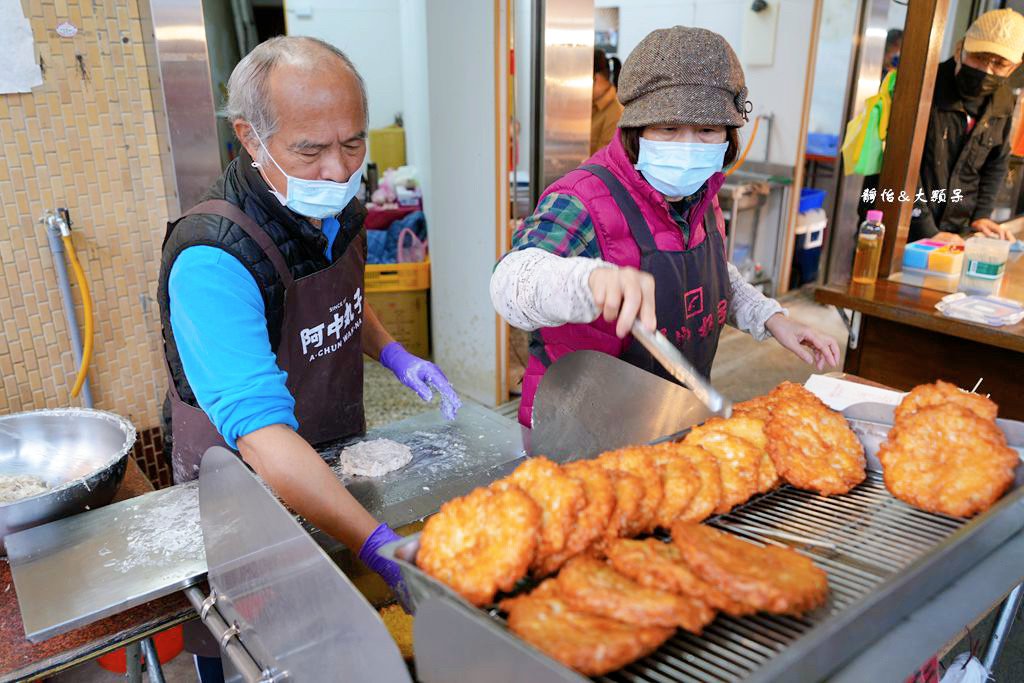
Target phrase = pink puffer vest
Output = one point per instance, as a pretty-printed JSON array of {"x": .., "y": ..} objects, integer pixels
[{"x": 618, "y": 247}]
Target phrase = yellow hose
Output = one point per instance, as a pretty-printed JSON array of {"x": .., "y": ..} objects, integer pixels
[
  {"x": 83, "y": 370},
  {"x": 750, "y": 142}
]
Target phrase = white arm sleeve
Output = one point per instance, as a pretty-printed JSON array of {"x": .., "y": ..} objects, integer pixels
[
  {"x": 749, "y": 309},
  {"x": 533, "y": 288}
]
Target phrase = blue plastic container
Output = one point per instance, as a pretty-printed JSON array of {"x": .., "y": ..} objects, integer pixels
[
  {"x": 810, "y": 199},
  {"x": 915, "y": 255},
  {"x": 823, "y": 144}
]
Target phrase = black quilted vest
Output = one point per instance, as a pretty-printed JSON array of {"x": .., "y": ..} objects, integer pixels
[{"x": 301, "y": 243}]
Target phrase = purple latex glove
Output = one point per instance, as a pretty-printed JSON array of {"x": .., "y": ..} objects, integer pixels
[
  {"x": 387, "y": 569},
  {"x": 420, "y": 375}
]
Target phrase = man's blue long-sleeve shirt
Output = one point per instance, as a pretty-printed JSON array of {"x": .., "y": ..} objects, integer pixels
[{"x": 220, "y": 328}]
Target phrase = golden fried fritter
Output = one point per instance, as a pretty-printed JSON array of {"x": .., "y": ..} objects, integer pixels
[
  {"x": 760, "y": 408},
  {"x": 791, "y": 392},
  {"x": 813, "y": 447},
  {"x": 750, "y": 429},
  {"x": 592, "y": 520},
  {"x": 680, "y": 482},
  {"x": 626, "y": 517},
  {"x": 709, "y": 494},
  {"x": 945, "y": 458},
  {"x": 639, "y": 461},
  {"x": 655, "y": 564},
  {"x": 482, "y": 542},
  {"x": 560, "y": 498},
  {"x": 771, "y": 579},
  {"x": 590, "y": 585},
  {"x": 590, "y": 644},
  {"x": 739, "y": 464},
  {"x": 925, "y": 395},
  {"x": 745, "y": 427}
]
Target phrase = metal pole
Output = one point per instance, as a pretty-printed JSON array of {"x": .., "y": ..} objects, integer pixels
[
  {"x": 226, "y": 635},
  {"x": 133, "y": 669},
  {"x": 1007, "y": 615},
  {"x": 153, "y": 670},
  {"x": 53, "y": 225}
]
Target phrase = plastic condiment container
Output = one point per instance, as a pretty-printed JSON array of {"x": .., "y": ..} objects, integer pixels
[{"x": 984, "y": 265}]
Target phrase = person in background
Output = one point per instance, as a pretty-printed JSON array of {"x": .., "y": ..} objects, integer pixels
[
  {"x": 967, "y": 147},
  {"x": 605, "y": 109},
  {"x": 636, "y": 233},
  {"x": 891, "y": 56},
  {"x": 265, "y": 321}
]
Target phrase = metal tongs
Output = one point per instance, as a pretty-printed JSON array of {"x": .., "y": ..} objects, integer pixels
[{"x": 680, "y": 368}]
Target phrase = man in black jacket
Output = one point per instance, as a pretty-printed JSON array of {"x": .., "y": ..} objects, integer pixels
[{"x": 967, "y": 147}]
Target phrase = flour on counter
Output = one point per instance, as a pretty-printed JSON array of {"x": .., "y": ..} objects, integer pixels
[
  {"x": 373, "y": 458},
  {"x": 17, "y": 486},
  {"x": 161, "y": 534}
]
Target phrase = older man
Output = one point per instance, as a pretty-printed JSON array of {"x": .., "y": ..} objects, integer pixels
[
  {"x": 967, "y": 148},
  {"x": 261, "y": 296}
]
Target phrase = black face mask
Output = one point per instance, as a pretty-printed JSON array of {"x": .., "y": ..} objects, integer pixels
[{"x": 973, "y": 82}]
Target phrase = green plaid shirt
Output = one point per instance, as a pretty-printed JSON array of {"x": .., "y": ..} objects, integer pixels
[{"x": 561, "y": 225}]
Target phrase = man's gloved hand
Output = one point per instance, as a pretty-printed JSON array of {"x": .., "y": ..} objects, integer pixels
[
  {"x": 420, "y": 375},
  {"x": 387, "y": 569}
]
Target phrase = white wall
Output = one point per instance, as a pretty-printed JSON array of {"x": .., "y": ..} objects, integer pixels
[
  {"x": 416, "y": 88},
  {"x": 776, "y": 89},
  {"x": 461, "y": 210},
  {"x": 832, "y": 66},
  {"x": 369, "y": 32}
]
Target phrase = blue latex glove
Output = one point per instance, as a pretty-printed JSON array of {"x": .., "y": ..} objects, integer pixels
[
  {"x": 420, "y": 375},
  {"x": 387, "y": 569}
]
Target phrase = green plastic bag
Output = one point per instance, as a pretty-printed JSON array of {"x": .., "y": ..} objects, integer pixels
[{"x": 864, "y": 143}]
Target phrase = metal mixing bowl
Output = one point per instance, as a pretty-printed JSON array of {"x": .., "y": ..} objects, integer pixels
[{"x": 80, "y": 453}]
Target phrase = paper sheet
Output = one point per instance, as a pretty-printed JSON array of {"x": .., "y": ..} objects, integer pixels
[
  {"x": 21, "y": 71},
  {"x": 839, "y": 393}
]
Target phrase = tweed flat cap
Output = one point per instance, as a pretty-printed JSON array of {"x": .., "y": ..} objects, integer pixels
[{"x": 683, "y": 75}]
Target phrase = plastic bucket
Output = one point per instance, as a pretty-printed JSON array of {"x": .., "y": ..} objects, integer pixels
[{"x": 169, "y": 645}]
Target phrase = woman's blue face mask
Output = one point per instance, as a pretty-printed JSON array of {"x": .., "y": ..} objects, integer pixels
[
  {"x": 678, "y": 169},
  {"x": 313, "y": 198}
]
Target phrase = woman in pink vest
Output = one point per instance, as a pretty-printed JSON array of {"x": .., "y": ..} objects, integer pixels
[{"x": 636, "y": 231}]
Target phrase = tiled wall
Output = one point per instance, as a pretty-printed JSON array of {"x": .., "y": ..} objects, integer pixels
[{"x": 85, "y": 139}]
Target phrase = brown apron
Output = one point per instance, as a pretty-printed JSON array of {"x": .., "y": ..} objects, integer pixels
[{"x": 320, "y": 348}]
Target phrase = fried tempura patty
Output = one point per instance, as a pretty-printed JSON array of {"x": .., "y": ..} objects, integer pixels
[
  {"x": 592, "y": 520},
  {"x": 626, "y": 516},
  {"x": 945, "y": 458},
  {"x": 704, "y": 502},
  {"x": 925, "y": 395},
  {"x": 769, "y": 578},
  {"x": 592, "y": 645},
  {"x": 560, "y": 498},
  {"x": 590, "y": 585},
  {"x": 639, "y": 461},
  {"x": 739, "y": 465},
  {"x": 749, "y": 428},
  {"x": 759, "y": 407},
  {"x": 812, "y": 445},
  {"x": 655, "y": 564},
  {"x": 482, "y": 542},
  {"x": 680, "y": 482}
]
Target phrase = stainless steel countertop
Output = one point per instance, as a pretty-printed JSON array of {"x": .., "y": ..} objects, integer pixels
[{"x": 77, "y": 570}]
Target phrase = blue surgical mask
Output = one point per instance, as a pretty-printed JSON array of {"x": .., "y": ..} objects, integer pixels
[
  {"x": 313, "y": 198},
  {"x": 678, "y": 169}
]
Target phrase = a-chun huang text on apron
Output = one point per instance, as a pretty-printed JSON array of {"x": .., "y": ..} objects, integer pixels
[{"x": 320, "y": 349}]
